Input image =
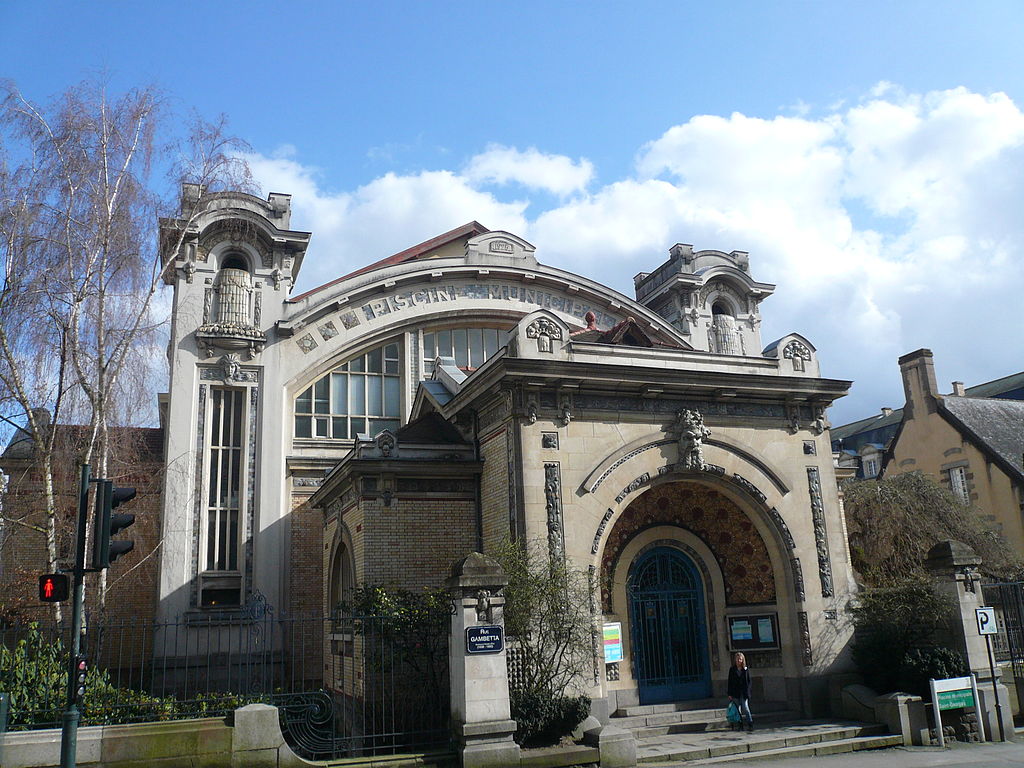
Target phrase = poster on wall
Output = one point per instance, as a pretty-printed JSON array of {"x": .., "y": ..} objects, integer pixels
[
  {"x": 752, "y": 633},
  {"x": 612, "y": 642}
]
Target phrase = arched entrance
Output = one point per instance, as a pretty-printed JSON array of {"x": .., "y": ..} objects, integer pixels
[{"x": 668, "y": 627}]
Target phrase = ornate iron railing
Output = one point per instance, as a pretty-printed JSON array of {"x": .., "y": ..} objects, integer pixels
[{"x": 344, "y": 685}]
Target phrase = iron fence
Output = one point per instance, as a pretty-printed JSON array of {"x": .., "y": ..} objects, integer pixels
[
  {"x": 345, "y": 685},
  {"x": 1008, "y": 643}
]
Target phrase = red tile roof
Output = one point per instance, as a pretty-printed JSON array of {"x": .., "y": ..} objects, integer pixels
[{"x": 472, "y": 229}]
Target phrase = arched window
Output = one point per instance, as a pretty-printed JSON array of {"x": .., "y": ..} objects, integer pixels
[
  {"x": 342, "y": 577},
  {"x": 725, "y": 337},
  {"x": 362, "y": 396},
  {"x": 233, "y": 287}
]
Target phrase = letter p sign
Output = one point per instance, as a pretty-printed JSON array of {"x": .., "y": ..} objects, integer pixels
[{"x": 986, "y": 621}]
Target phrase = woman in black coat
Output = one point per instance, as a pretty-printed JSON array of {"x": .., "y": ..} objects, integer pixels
[{"x": 739, "y": 689}]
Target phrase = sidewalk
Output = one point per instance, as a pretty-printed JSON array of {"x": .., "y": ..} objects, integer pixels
[
  {"x": 989, "y": 755},
  {"x": 807, "y": 737}
]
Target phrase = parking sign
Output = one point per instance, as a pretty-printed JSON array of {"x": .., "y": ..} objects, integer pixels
[{"x": 986, "y": 621}]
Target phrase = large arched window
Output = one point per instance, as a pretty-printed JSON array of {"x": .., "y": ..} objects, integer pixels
[{"x": 362, "y": 396}]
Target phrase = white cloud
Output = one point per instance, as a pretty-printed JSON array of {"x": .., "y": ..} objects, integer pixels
[
  {"x": 888, "y": 224},
  {"x": 354, "y": 228},
  {"x": 531, "y": 168}
]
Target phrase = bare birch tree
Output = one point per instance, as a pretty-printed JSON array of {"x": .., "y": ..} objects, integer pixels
[{"x": 78, "y": 214}]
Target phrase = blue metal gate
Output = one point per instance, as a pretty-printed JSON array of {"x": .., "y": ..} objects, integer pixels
[{"x": 669, "y": 634}]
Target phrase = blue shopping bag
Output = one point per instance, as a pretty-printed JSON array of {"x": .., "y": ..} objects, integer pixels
[{"x": 732, "y": 713}]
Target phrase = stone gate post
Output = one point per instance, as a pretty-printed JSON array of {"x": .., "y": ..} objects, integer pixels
[
  {"x": 481, "y": 718},
  {"x": 954, "y": 569}
]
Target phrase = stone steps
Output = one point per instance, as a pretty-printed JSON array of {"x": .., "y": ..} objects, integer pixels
[
  {"x": 794, "y": 740},
  {"x": 661, "y": 719}
]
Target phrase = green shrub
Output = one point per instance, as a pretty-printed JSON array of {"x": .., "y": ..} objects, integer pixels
[
  {"x": 34, "y": 673},
  {"x": 923, "y": 664},
  {"x": 547, "y": 614},
  {"x": 543, "y": 719},
  {"x": 890, "y": 622}
]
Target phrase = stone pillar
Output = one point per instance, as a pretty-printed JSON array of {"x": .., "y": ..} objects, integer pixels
[
  {"x": 954, "y": 569},
  {"x": 481, "y": 717}
]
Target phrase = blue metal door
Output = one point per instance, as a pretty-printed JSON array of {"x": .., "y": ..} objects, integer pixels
[{"x": 669, "y": 635}]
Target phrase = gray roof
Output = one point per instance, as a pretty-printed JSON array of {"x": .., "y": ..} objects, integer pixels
[
  {"x": 996, "y": 426},
  {"x": 438, "y": 390},
  {"x": 871, "y": 423},
  {"x": 1009, "y": 387}
]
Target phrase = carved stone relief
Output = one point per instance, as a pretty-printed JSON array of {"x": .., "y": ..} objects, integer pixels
[
  {"x": 600, "y": 531},
  {"x": 553, "y": 506},
  {"x": 752, "y": 489},
  {"x": 692, "y": 433},
  {"x": 328, "y": 330},
  {"x": 544, "y": 331},
  {"x": 633, "y": 486},
  {"x": 783, "y": 528},
  {"x": 798, "y": 353},
  {"x": 820, "y": 533},
  {"x": 387, "y": 444},
  {"x": 805, "y": 638},
  {"x": 798, "y": 579},
  {"x": 229, "y": 369},
  {"x": 549, "y": 440},
  {"x": 307, "y": 343}
]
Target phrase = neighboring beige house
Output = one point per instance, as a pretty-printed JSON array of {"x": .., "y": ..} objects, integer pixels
[{"x": 971, "y": 441}]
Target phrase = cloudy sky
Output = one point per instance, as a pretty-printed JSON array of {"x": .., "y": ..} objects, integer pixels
[{"x": 871, "y": 160}]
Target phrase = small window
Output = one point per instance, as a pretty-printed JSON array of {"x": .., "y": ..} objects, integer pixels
[
  {"x": 958, "y": 483},
  {"x": 870, "y": 467}
]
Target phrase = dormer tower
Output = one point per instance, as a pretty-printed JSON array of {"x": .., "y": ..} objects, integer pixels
[
  {"x": 709, "y": 297},
  {"x": 231, "y": 260}
]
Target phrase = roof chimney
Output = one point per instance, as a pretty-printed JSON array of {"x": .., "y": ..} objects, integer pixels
[
  {"x": 958, "y": 389},
  {"x": 919, "y": 385}
]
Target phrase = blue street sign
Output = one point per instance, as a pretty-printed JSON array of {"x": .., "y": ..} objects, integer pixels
[{"x": 485, "y": 639}]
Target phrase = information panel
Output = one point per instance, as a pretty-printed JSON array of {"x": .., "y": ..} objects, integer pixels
[
  {"x": 485, "y": 640},
  {"x": 753, "y": 633},
  {"x": 612, "y": 642}
]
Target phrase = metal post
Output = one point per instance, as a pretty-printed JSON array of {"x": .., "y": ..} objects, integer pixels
[
  {"x": 977, "y": 705},
  {"x": 935, "y": 709},
  {"x": 5, "y": 701},
  {"x": 995, "y": 689},
  {"x": 69, "y": 728}
]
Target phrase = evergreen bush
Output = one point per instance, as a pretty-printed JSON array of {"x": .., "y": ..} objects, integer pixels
[
  {"x": 543, "y": 718},
  {"x": 890, "y": 623},
  {"x": 923, "y": 664}
]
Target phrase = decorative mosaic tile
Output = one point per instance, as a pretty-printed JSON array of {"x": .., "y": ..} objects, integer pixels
[{"x": 730, "y": 535}]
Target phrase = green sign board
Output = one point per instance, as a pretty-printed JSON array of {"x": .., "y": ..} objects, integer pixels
[{"x": 955, "y": 699}]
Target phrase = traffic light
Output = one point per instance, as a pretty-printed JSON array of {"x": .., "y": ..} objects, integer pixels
[
  {"x": 81, "y": 671},
  {"x": 53, "y": 587},
  {"x": 107, "y": 524}
]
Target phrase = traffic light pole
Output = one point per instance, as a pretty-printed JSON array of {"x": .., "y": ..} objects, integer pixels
[{"x": 69, "y": 729}]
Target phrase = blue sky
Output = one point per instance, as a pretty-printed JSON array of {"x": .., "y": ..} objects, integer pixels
[{"x": 868, "y": 155}]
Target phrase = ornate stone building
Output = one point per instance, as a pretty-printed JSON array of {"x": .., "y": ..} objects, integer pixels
[{"x": 381, "y": 426}]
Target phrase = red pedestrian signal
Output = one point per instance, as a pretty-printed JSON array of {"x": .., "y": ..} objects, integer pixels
[{"x": 53, "y": 587}]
